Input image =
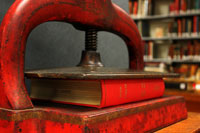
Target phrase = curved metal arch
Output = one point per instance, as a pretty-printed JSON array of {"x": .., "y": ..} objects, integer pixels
[{"x": 25, "y": 15}]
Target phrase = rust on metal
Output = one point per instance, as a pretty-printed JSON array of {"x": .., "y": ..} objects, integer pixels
[
  {"x": 22, "y": 18},
  {"x": 86, "y": 115},
  {"x": 94, "y": 73}
]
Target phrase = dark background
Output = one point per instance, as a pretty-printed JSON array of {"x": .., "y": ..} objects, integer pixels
[{"x": 56, "y": 44}]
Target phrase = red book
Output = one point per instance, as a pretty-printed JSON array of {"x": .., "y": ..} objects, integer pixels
[
  {"x": 179, "y": 27},
  {"x": 183, "y": 7},
  {"x": 172, "y": 8},
  {"x": 195, "y": 24},
  {"x": 135, "y": 7},
  {"x": 96, "y": 93},
  {"x": 171, "y": 51},
  {"x": 177, "y": 6},
  {"x": 190, "y": 49}
]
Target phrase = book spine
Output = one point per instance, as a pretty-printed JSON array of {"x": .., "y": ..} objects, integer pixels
[
  {"x": 177, "y": 6},
  {"x": 146, "y": 6},
  {"x": 150, "y": 8},
  {"x": 139, "y": 8},
  {"x": 183, "y": 8},
  {"x": 194, "y": 25},
  {"x": 188, "y": 2},
  {"x": 197, "y": 4},
  {"x": 172, "y": 8},
  {"x": 130, "y": 6},
  {"x": 183, "y": 27},
  {"x": 117, "y": 92},
  {"x": 135, "y": 8},
  {"x": 179, "y": 28}
]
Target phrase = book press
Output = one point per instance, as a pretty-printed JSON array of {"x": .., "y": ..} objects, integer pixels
[{"x": 130, "y": 100}]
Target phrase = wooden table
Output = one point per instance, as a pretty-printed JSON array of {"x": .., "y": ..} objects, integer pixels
[
  {"x": 192, "y": 98},
  {"x": 190, "y": 125}
]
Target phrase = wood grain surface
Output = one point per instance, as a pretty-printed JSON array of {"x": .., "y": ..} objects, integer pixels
[{"x": 190, "y": 125}]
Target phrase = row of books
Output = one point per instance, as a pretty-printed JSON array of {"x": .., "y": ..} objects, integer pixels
[
  {"x": 184, "y": 6},
  {"x": 184, "y": 27},
  {"x": 141, "y": 8},
  {"x": 187, "y": 51}
]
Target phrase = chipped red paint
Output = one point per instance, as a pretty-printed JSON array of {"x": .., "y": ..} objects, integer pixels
[
  {"x": 25, "y": 15},
  {"x": 16, "y": 110},
  {"x": 134, "y": 117}
]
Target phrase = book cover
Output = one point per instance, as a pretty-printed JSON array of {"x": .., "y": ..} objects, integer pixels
[
  {"x": 189, "y": 5},
  {"x": 195, "y": 26},
  {"x": 179, "y": 27},
  {"x": 193, "y": 6},
  {"x": 189, "y": 26},
  {"x": 130, "y": 6},
  {"x": 96, "y": 93},
  {"x": 145, "y": 28},
  {"x": 175, "y": 29},
  {"x": 183, "y": 27},
  {"x": 177, "y": 6},
  {"x": 150, "y": 50},
  {"x": 197, "y": 5},
  {"x": 172, "y": 8},
  {"x": 135, "y": 8},
  {"x": 183, "y": 7},
  {"x": 150, "y": 7},
  {"x": 146, "y": 7},
  {"x": 140, "y": 8},
  {"x": 171, "y": 51}
]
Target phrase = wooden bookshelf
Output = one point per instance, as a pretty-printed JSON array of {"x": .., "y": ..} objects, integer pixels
[
  {"x": 167, "y": 61},
  {"x": 171, "y": 38},
  {"x": 170, "y": 31},
  {"x": 159, "y": 17}
]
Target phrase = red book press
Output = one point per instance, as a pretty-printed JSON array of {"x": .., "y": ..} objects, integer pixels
[{"x": 17, "y": 112}]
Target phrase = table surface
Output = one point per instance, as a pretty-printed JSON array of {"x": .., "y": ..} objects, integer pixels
[{"x": 190, "y": 125}]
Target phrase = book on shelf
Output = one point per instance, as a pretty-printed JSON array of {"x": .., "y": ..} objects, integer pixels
[
  {"x": 178, "y": 28},
  {"x": 184, "y": 6},
  {"x": 184, "y": 27},
  {"x": 143, "y": 8},
  {"x": 178, "y": 51},
  {"x": 143, "y": 28},
  {"x": 133, "y": 7},
  {"x": 189, "y": 50},
  {"x": 96, "y": 93},
  {"x": 148, "y": 51},
  {"x": 140, "y": 8}
]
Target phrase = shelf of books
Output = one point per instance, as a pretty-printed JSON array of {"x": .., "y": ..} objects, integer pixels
[
  {"x": 168, "y": 16},
  {"x": 160, "y": 9},
  {"x": 170, "y": 30},
  {"x": 197, "y": 37}
]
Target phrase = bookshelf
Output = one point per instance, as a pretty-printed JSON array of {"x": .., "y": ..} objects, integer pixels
[
  {"x": 171, "y": 35},
  {"x": 169, "y": 61},
  {"x": 157, "y": 17},
  {"x": 170, "y": 38}
]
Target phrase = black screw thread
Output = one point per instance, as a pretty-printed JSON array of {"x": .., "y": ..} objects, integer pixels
[{"x": 91, "y": 40}]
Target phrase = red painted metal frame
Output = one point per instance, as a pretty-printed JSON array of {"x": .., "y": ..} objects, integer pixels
[
  {"x": 145, "y": 116},
  {"x": 25, "y": 15}
]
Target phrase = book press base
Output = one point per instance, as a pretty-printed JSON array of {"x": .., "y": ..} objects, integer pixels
[{"x": 149, "y": 115}]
